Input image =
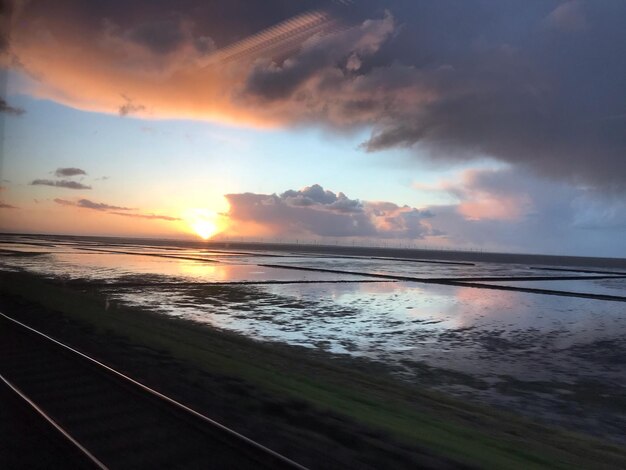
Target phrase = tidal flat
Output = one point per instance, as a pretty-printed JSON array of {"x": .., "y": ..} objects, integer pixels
[{"x": 418, "y": 362}]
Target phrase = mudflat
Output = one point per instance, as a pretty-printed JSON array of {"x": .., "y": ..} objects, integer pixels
[{"x": 319, "y": 409}]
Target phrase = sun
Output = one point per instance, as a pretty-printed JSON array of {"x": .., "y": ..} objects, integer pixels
[
  {"x": 204, "y": 228},
  {"x": 203, "y": 222}
]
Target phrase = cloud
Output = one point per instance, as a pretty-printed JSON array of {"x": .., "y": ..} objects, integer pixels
[
  {"x": 313, "y": 211},
  {"x": 537, "y": 85},
  {"x": 129, "y": 107},
  {"x": 111, "y": 209},
  {"x": 87, "y": 204},
  {"x": 160, "y": 37},
  {"x": 4, "y": 205},
  {"x": 60, "y": 184},
  {"x": 60, "y": 172},
  {"x": 491, "y": 194},
  {"x": 568, "y": 16},
  {"x": 511, "y": 209},
  {"x": 147, "y": 216},
  {"x": 8, "y": 109},
  {"x": 270, "y": 81}
]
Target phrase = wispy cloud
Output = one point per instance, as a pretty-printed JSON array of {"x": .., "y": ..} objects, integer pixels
[
  {"x": 4, "y": 205},
  {"x": 11, "y": 110},
  {"x": 130, "y": 107},
  {"x": 113, "y": 209},
  {"x": 87, "y": 204},
  {"x": 147, "y": 216},
  {"x": 60, "y": 184},
  {"x": 72, "y": 171}
]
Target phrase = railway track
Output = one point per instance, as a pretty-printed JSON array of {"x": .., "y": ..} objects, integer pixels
[{"x": 113, "y": 420}]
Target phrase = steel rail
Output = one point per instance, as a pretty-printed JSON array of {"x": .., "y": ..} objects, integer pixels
[
  {"x": 220, "y": 427},
  {"x": 54, "y": 424}
]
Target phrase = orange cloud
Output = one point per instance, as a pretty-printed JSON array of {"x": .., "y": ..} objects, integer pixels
[
  {"x": 488, "y": 206},
  {"x": 94, "y": 77},
  {"x": 484, "y": 195},
  {"x": 484, "y": 198},
  {"x": 116, "y": 70},
  {"x": 289, "y": 72},
  {"x": 45, "y": 219}
]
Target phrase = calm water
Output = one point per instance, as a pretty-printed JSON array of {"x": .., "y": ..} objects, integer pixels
[{"x": 559, "y": 358}]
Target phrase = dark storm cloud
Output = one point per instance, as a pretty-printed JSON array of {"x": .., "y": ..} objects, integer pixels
[
  {"x": 534, "y": 84},
  {"x": 160, "y": 25},
  {"x": 537, "y": 84},
  {"x": 319, "y": 212},
  {"x": 6, "y": 11},
  {"x": 72, "y": 171},
  {"x": 60, "y": 184},
  {"x": 8, "y": 109},
  {"x": 87, "y": 204},
  {"x": 161, "y": 37}
]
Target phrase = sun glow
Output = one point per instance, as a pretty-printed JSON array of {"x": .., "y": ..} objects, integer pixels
[{"x": 203, "y": 222}]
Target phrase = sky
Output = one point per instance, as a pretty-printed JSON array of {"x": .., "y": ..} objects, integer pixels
[{"x": 484, "y": 124}]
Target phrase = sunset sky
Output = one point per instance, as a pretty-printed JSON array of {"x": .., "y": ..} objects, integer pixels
[{"x": 498, "y": 125}]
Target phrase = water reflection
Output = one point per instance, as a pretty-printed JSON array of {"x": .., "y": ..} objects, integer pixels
[
  {"x": 482, "y": 331},
  {"x": 493, "y": 336},
  {"x": 117, "y": 267}
]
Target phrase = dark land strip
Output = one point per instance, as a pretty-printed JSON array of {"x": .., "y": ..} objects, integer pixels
[
  {"x": 190, "y": 258},
  {"x": 16, "y": 253},
  {"x": 22, "y": 242},
  {"x": 411, "y": 260},
  {"x": 383, "y": 258},
  {"x": 80, "y": 283},
  {"x": 524, "y": 278},
  {"x": 562, "y": 293},
  {"x": 209, "y": 251},
  {"x": 466, "y": 282},
  {"x": 591, "y": 271},
  {"x": 424, "y": 254}
]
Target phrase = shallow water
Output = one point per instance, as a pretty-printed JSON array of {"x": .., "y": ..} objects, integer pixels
[
  {"x": 117, "y": 267},
  {"x": 558, "y": 358}
]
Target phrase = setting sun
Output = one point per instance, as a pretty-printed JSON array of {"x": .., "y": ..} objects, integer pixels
[
  {"x": 203, "y": 222},
  {"x": 204, "y": 228}
]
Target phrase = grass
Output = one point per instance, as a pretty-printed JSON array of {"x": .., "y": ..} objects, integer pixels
[{"x": 469, "y": 434}]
